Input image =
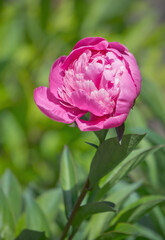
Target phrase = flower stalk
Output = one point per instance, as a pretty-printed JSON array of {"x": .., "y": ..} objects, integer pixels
[{"x": 75, "y": 208}]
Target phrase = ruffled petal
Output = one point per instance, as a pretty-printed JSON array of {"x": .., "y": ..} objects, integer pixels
[
  {"x": 94, "y": 73},
  {"x": 52, "y": 107},
  {"x": 56, "y": 76},
  {"x": 97, "y": 44},
  {"x": 97, "y": 103}
]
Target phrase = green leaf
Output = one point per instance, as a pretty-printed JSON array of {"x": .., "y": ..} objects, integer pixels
[
  {"x": 35, "y": 218},
  {"x": 7, "y": 225},
  {"x": 123, "y": 230},
  {"x": 101, "y": 135},
  {"x": 109, "y": 154},
  {"x": 159, "y": 219},
  {"x": 49, "y": 202},
  {"x": 21, "y": 225},
  {"x": 137, "y": 209},
  {"x": 92, "y": 208},
  {"x": 31, "y": 235},
  {"x": 118, "y": 194},
  {"x": 135, "y": 158},
  {"x": 68, "y": 181},
  {"x": 121, "y": 191},
  {"x": 12, "y": 190}
]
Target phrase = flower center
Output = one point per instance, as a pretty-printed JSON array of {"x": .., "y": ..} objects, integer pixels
[{"x": 92, "y": 83}]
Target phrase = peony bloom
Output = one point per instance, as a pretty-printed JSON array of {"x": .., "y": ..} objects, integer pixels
[{"x": 97, "y": 77}]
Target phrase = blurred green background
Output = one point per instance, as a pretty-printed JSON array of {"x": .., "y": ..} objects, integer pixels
[{"x": 33, "y": 34}]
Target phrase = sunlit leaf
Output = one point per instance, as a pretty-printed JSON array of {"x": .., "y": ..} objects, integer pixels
[
  {"x": 35, "y": 218},
  {"x": 49, "y": 202},
  {"x": 137, "y": 209},
  {"x": 158, "y": 218},
  {"x": 12, "y": 190},
  {"x": 118, "y": 194},
  {"x": 68, "y": 181},
  {"x": 124, "y": 230},
  {"x": 7, "y": 225}
]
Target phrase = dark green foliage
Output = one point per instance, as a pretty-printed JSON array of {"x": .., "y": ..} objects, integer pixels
[
  {"x": 31, "y": 235},
  {"x": 109, "y": 154}
]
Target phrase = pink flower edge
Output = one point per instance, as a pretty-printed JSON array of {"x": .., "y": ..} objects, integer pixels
[{"x": 52, "y": 107}]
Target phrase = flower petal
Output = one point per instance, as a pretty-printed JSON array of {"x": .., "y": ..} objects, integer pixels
[
  {"x": 115, "y": 121},
  {"x": 131, "y": 63},
  {"x": 56, "y": 76},
  {"x": 127, "y": 94},
  {"x": 132, "y": 66},
  {"x": 98, "y": 42},
  {"x": 94, "y": 73},
  {"x": 83, "y": 45},
  {"x": 97, "y": 103},
  {"x": 116, "y": 45},
  {"x": 52, "y": 107},
  {"x": 98, "y": 123},
  {"x": 94, "y": 125},
  {"x": 83, "y": 101}
]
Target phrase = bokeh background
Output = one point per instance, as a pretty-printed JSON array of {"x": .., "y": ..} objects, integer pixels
[{"x": 33, "y": 34}]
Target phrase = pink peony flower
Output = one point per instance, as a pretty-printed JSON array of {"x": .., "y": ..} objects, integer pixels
[{"x": 97, "y": 77}]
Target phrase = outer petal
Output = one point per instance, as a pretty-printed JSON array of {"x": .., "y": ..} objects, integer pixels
[
  {"x": 98, "y": 42},
  {"x": 56, "y": 76},
  {"x": 98, "y": 123},
  {"x": 132, "y": 67},
  {"x": 118, "y": 46},
  {"x": 116, "y": 121},
  {"x": 85, "y": 44},
  {"x": 52, "y": 107},
  {"x": 94, "y": 125},
  {"x": 131, "y": 63},
  {"x": 127, "y": 94}
]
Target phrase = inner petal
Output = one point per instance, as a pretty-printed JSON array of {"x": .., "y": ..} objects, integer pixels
[
  {"x": 92, "y": 83},
  {"x": 97, "y": 103},
  {"x": 105, "y": 103},
  {"x": 94, "y": 73}
]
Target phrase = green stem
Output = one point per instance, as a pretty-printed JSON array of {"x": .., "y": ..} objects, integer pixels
[
  {"x": 75, "y": 208},
  {"x": 72, "y": 235}
]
